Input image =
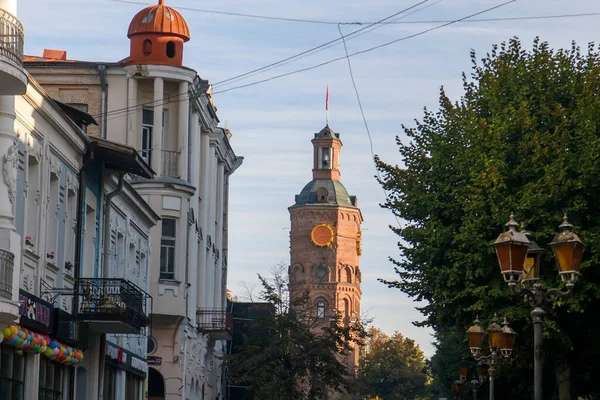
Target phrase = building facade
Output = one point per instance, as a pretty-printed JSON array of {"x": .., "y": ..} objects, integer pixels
[
  {"x": 150, "y": 102},
  {"x": 325, "y": 240},
  {"x": 58, "y": 304}
]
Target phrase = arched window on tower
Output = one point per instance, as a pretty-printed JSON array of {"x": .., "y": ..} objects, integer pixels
[
  {"x": 321, "y": 308},
  {"x": 147, "y": 47},
  {"x": 170, "y": 49},
  {"x": 322, "y": 195},
  {"x": 324, "y": 156}
]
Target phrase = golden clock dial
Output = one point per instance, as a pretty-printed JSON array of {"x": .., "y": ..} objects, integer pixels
[{"x": 322, "y": 235}]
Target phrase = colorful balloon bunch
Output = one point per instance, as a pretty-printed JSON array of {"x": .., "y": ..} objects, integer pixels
[
  {"x": 63, "y": 354},
  {"x": 32, "y": 342}
]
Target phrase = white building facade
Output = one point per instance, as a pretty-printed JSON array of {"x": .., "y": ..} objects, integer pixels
[{"x": 150, "y": 102}]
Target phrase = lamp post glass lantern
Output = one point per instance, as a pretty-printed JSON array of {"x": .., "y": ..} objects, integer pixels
[
  {"x": 511, "y": 250},
  {"x": 568, "y": 251},
  {"x": 499, "y": 338}
]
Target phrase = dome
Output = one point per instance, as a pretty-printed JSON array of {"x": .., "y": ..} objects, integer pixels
[
  {"x": 336, "y": 194},
  {"x": 159, "y": 19}
]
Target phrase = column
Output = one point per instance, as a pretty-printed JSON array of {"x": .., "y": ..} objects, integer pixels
[
  {"x": 133, "y": 133},
  {"x": 212, "y": 203},
  {"x": 183, "y": 131},
  {"x": 195, "y": 155},
  {"x": 157, "y": 125},
  {"x": 204, "y": 187},
  {"x": 218, "y": 297}
]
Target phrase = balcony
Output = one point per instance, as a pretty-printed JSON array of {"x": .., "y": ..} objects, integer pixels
[
  {"x": 216, "y": 322},
  {"x": 170, "y": 161},
  {"x": 12, "y": 75},
  {"x": 112, "y": 305}
]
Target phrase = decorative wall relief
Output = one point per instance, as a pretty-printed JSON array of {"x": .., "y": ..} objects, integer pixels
[{"x": 9, "y": 171}]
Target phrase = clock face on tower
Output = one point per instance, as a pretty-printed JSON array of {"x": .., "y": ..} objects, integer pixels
[{"x": 322, "y": 235}]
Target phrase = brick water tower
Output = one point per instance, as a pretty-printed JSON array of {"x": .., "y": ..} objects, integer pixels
[{"x": 325, "y": 240}]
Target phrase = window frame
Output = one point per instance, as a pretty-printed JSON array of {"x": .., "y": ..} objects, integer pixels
[{"x": 171, "y": 246}]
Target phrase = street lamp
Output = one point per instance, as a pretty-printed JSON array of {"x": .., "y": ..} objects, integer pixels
[
  {"x": 519, "y": 259},
  {"x": 500, "y": 338}
]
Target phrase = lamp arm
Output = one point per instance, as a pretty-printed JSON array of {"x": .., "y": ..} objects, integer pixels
[{"x": 554, "y": 293}]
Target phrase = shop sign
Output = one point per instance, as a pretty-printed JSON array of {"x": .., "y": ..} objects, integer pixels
[
  {"x": 126, "y": 360},
  {"x": 35, "y": 312},
  {"x": 69, "y": 330},
  {"x": 153, "y": 360},
  {"x": 139, "y": 364},
  {"x": 116, "y": 353}
]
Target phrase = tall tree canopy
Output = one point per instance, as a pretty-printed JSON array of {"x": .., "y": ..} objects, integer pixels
[
  {"x": 523, "y": 138},
  {"x": 392, "y": 368},
  {"x": 291, "y": 354}
]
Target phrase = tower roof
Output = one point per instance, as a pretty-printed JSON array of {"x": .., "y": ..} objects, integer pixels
[
  {"x": 337, "y": 194},
  {"x": 327, "y": 133},
  {"x": 159, "y": 19}
]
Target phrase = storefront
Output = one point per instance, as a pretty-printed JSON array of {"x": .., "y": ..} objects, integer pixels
[
  {"x": 38, "y": 345},
  {"x": 124, "y": 374}
]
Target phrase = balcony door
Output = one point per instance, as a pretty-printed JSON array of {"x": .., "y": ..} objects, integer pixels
[{"x": 147, "y": 129}]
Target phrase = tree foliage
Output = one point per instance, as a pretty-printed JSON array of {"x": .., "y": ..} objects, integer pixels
[
  {"x": 523, "y": 138},
  {"x": 393, "y": 367},
  {"x": 290, "y": 353}
]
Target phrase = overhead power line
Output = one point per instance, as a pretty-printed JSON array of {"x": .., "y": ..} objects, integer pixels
[
  {"x": 325, "y": 22},
  {"x": 366, "y": 50},
  {"x": 272, "y": 65},
  {"x": 126, "y": 109}
]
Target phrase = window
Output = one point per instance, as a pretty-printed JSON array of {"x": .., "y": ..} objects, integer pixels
[
  {"x": 321, "y": 309},
  {"x": 132, "y": 387},
  {"x": 53, "y": 217},
  {"x": 147, "y": 47},
  {"x": 51, "y": 379},
  {"x": 170, "y": 49},
  {"x": 167, "y": 248},
  {"x": 12, "y": 373},
  {"x": 33, "y": 199},
  {"x": 147, "y": 125},
  {"x": 324, "y": 155},
  {"x": 110, "y": 382}
]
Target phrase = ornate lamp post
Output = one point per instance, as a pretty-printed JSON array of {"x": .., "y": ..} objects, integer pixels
[
  {"x": 519, "y": 260},
  {"x": 500, "y": 338}
]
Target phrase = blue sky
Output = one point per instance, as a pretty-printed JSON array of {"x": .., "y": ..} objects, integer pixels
[{"x": 273, "y": 122}]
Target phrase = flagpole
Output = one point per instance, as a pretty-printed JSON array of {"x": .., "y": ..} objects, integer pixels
[{"x": 327, "y": 106}]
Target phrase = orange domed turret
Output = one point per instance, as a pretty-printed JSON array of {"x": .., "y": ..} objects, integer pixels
[{"x": 157, "y": 34}]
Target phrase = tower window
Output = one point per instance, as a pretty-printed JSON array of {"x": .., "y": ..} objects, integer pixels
[
  {"x": 325, "y": 161},
  {"x": 322, "y": 195},
  {"x": 321, "y": 309},
  {"x": 147, "y": 47},
  {"x": 170, "y": 49}
]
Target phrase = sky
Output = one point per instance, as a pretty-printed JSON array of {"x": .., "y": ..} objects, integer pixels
[{"x": 273, "y": 122}]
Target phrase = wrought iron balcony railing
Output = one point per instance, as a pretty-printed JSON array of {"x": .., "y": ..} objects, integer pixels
[
  {"x": 11, "y": 38},
  {"x": 115, "y": 300},
  {"x": 7, "y": 260},
  {"x": 170, "y": 160},
  {"x": 217, "y": 322}
]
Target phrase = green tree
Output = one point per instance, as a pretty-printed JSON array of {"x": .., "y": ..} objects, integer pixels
[
  {"x": 524, "y": 137},
  {"x": 392, "y": 368},
  {"x": 289, "y": 353}
]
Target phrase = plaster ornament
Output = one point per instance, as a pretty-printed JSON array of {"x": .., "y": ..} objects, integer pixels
[{"x": 9, "y": 171}]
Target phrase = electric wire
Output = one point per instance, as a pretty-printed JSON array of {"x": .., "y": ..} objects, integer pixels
[
  {"x": 365, "y": 50},
  {"x": 420, "y": 33},
  {"x": 272, "y": 65},
  {"x": 325, "y": 22},
  {"x": 362, "y": 113},
  {"x": 321, "y": 46}
]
